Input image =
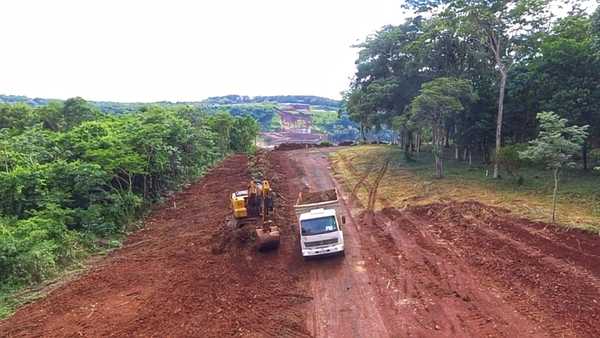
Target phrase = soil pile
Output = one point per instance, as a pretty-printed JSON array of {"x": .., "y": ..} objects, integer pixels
[
  {"x": 167, "y": 281},
  {"x": 309, "y": 197},
  {"x": 294, "y": 146}
]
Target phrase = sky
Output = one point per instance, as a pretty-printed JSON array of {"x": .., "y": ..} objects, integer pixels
[{"x": 177, "y": 50}]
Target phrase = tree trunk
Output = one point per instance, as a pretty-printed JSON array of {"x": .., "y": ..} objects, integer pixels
[
  {"x": 584, "y": 155},
  {"x": 438, "y": 149},
  {"x": 439, "y": 168},
  {"x": 362, "y": 133},
  {"x": 470, "y": 158},
  {"x": 503, "y": 76},
  {"x": 465, "y": 152},
  {"x": 456, "y": 150},
  {"x": 554, "y": 197}
]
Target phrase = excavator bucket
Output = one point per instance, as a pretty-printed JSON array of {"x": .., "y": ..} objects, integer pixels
[{"x": 267, "y": 237}]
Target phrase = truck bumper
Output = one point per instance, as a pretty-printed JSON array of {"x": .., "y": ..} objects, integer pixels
[{"x": 323, "y": 250}]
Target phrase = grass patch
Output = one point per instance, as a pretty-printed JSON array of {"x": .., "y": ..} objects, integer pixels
[{"x": 412, "y": 183}]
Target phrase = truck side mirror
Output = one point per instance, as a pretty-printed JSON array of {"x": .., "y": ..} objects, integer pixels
[{"x": 343, "y": 219}]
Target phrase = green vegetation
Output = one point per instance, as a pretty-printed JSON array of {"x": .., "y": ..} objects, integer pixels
[
  {"x": 554, "y": 147},
  {"x": 437, "y": 101},
  {"x": 518, "y": 59},
  {"x": 413, "y": 183},
  {"x": 304, "y": 99},
  {"x": 73, "y": 179},
  {"x": 322, "y": 119},
  {"x": 264, "y": 113}
]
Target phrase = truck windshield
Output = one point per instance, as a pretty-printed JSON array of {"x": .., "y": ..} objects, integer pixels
[{"x": 318, "y": 226}]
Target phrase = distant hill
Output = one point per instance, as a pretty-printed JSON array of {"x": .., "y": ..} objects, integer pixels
[
  {"x": 324, "y": 111},
  {"x": 306, "y": 99},
  {"x": 122, "y": 107}
]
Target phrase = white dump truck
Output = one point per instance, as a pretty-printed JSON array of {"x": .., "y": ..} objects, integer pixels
[{"x": 319, "y": 223}]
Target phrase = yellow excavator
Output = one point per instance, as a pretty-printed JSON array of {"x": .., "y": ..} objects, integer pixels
[{"x": 255, "y": 207}]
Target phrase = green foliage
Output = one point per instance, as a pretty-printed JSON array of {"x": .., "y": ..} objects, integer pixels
[
  {"x": 69, "y": 173},
  {"x": 509, "y": 159},
  {"x": 595, "y": 155},
  {"x": 555, "y": 146},
  {"x": 438, "y": 102},
  {"x": 556, "y": 143},
  {"x": 323, "y": 120},
  {"x": 243, "y": 135}
]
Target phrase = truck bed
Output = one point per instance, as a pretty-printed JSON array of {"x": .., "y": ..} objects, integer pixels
[
  {"x": 323, "y": 199},
  {"x": 311, "y": 197}
]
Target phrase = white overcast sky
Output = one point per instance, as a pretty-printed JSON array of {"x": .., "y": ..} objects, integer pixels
[{"x": 183, "y": 50}]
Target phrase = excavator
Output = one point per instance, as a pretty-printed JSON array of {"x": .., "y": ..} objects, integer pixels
[{"x": 255, "y": 207}]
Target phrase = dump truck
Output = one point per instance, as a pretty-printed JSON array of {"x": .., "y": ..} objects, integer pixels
[{"x": 319, "y": 223}]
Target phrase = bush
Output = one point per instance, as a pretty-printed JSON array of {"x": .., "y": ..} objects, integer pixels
[
  {"x": 35, "y": 248},
  {"x": 595, "y": 155},
  {"x": 509, "y": 160}
]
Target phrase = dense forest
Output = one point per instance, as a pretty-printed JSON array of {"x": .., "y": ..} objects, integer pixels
[
  {"x": 473, "y": 76},
  {"x": 72, "y": 179}
]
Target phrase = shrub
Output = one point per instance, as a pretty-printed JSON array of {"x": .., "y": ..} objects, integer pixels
[
  {"x": 595, "y": 155},
  {"x": 509, "y": 160}
]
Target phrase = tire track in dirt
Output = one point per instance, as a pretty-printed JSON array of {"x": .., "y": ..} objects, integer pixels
[
  {"x": 344, "y": 302},
  {"x": 450, "y": 292},
  {"x": 560, "y": 292}
]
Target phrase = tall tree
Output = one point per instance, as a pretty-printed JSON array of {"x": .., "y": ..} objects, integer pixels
[
  {"x": 498, "y": 26},
  {"x": 77, "y": 110},
  {"x": 436, "y": 104},
  {"x": 567, "y": 73}
]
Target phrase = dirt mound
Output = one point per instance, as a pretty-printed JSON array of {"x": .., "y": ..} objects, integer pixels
[
  {"x": 294, "y": 146},
  {"x": 308, "y": 197},
  {"x": 457, "y": 212},
  {"x": 551, "y": 276},
  {"x": 167, "y": 281}
]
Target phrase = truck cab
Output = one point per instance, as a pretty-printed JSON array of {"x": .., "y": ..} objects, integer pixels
[
  {"x": 320, "y": 233},
  {"x": 319, "y": 223}
]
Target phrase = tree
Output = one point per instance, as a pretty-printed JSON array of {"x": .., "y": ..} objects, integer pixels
[
  {"x": 77, "y": 110},
  {"x": 17, "y": 116},
  {"x": 243, "y": 134},
  {"x": 437, "y": 102},
  {"x": 389, "y": 74},
  {"x": 221, "y": 123},
  {"x": 500, "y": 27},
  {"x": 555, "y": 146},
  {"x": 568, "y": 75}
]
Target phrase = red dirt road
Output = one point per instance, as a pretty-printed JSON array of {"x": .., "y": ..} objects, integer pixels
[{"x": 455, "y": 269}]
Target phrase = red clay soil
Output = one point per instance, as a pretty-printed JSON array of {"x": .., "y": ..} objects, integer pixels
[
  {"x": 462, "y": 269},
  {"x": 166, "y": 280},
  {"x": 308, "y": 197},
  {"x": 293, "y": 146},
  {"x": 476, "y": 270},
  {"x": 459, "y": 269}
]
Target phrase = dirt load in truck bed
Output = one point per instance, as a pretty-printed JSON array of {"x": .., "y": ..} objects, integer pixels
[{"x": 311, "y": 197}]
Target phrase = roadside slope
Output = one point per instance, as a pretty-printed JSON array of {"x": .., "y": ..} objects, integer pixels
[{"x": 166, "y": 281}]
